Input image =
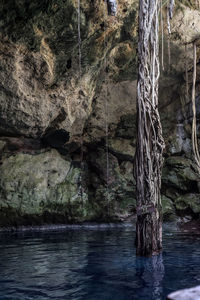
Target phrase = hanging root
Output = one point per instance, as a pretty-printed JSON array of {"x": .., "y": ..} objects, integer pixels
[
  {"x": 106, "y": 115},
  {"x": 194, "y": 126},
  {"x": 80, "y": 73},
  {"x": 79, "y": 38},
  {"x": 186, "y": 72},
  {"x": 169, "y": 52},
  {"x": 162, "y": 36},
  {"x": 171, "y": 8},
  {"x": 170, "y": 11},
  {"x": 168, "y": 19},
  {"x": 168, "y": 38},
  {"x": 150, "y": 144}
]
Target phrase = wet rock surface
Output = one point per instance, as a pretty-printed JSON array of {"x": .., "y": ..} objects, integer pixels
[{"x": 187, "y": 294}]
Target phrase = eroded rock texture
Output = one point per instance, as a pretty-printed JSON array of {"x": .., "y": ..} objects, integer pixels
[{"x": 47, "y": 109}]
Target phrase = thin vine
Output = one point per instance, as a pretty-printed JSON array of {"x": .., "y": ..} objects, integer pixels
[{"x": 194, "y": 121}]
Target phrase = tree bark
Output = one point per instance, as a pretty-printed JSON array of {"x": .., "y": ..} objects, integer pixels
[{"x": 150, "y": 144}]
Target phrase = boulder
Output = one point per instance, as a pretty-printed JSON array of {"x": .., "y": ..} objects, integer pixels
[
  {"x": 122, "y": 148},
  {"x": 180, "y": 173},
  {"x": 188, "y": 201}
]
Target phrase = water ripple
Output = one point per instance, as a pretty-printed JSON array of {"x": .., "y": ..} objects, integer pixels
[{"x": 97, "y": 264}]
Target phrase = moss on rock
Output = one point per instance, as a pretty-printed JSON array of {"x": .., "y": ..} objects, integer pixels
[
  {"x": 34, "y": 185},
  {"x": 168, "y": 209},
  {"x": 188, "y": 202}
]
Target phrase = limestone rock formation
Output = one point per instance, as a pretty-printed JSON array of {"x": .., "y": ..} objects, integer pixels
[
  {"x": 41, "y": 186},
  {"x": 47, "y": 110}
]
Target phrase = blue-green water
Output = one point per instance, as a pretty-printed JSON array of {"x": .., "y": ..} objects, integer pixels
[{"x": 94, "y": 265}]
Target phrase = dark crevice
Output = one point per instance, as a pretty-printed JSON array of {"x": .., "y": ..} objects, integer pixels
[
  {"x": 56, "y": 138},
  {"x": 69, "y": 63}
]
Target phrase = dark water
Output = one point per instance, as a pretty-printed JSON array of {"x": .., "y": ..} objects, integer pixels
[{"x": 94, "y": 265}]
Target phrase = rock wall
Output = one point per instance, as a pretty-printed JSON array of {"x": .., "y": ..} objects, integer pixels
[{"x": 47, "y": 111}]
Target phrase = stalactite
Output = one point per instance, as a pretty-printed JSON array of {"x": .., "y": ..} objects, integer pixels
[
  {"x": 150, "y": 144},
  {"x": 194, "y": 126},
  {"x": 112, "y": 7}
]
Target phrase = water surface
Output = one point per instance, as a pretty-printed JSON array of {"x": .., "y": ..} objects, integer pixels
[{"x": 94, "y": 265}]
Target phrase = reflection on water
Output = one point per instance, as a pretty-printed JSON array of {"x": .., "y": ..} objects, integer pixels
[
  {"x": 151, "y": 271},
  {"x": 90, "y": 265}
]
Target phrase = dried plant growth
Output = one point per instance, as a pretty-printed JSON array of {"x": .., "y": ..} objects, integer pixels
[
  {"x": 194, "y": 122},
  {"x": 150, "y": 142}
]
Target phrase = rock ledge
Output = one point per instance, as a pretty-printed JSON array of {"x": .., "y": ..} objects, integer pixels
[{"x": 186, "y": 294}]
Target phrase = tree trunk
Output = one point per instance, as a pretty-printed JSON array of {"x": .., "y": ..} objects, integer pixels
[{"x": 150, "y": 144}]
